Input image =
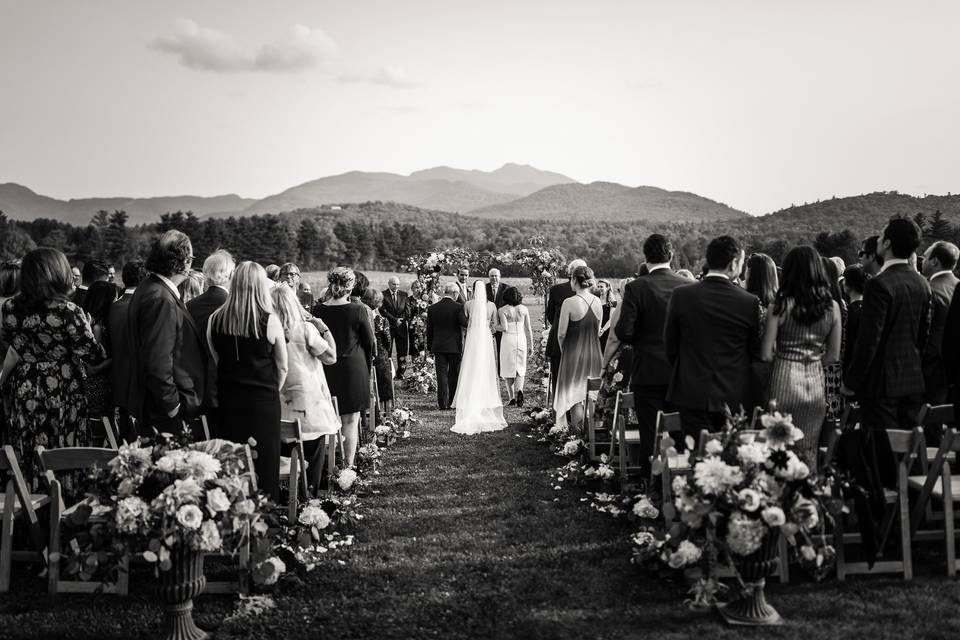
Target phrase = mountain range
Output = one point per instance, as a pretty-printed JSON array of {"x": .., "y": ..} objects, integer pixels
[{"x": 512, "y": 192}]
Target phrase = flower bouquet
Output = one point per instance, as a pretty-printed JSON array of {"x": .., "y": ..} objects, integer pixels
[{"x": 300, "y": 544}]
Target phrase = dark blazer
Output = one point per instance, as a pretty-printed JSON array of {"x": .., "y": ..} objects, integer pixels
[
  {"x": 711, "y": 339},
  {"x": 463, "y": 296},
  {"x": 445, "y": 322},
  {"x": 171, "y": 363},
  {"x": 558, "y": 293},
  {"x": 852, "y": 330},
  {"x": 941, "y": 289},
  {"x": 203, "y": 306},
  {"x": 117, "y": 344},
  {"x": 498, "y": 299},
  {"x": 887, "y": 360},
  {"x": 641, "y": 324},
  {"x": 397, "y": 312},
  {"x": 79, "y": 294},
  {"x": 950, "y": 347}
]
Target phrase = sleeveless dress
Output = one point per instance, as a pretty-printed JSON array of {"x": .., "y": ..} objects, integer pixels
[
  {"x": 248, "y": 392},
  {"x": 513, "y": 346},
  {"x": 305, "y": 394},
  {"x": 580, "y": 359},
  {"x": 797, "y": 379},
  {"x": 349, "y": 377}
]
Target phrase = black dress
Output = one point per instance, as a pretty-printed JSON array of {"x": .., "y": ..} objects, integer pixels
[
  {"x": 349, "y": 378},
  {"x": 249, "y": 396}
]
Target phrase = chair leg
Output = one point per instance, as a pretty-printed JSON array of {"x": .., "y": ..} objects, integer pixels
[
  {"x": 948, "y": 525},
  {"x": 331, "y": 459},
  {"x": 905, "y": 526},
  {"x": 839, "y": 548},
  {"x": 53, "y": 549},
  {"x": 6, "y": 538},
  {"x": 294, "y": 485},
  {"x": 244, "y": 562}
]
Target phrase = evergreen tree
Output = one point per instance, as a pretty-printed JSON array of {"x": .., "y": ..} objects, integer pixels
[
  {"x": 116, "y": 239},
  {"x": 940, "y": 228}
]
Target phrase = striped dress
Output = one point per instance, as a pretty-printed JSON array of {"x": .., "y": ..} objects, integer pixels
[{"x": 797, "y": 379}]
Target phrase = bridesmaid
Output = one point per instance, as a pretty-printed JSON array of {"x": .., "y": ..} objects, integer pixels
[
  {"x": 578, "y": 333},
  {"x": 802, "y": 337},
  {"x": 514, "y": 321}
]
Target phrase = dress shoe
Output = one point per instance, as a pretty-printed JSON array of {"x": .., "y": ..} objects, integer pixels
[
  {"x": 512, "y": 403},
  {"x": 519, "y": 398}
]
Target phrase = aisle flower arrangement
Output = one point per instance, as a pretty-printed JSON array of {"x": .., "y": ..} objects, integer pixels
[
  {"x": 396, "y": 427},
  {"x": 420, "y": 375}
]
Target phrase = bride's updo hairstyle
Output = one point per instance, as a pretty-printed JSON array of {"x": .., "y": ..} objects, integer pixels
[
  {"x": 583, "y": 276},
  {"x": 341, "y": 282}
]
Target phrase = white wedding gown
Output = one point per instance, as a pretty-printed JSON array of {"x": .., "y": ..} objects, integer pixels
[{"x": 477, "y": 401}]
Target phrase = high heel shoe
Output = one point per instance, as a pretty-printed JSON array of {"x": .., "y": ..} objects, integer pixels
[
  {"x": 512, "y": 403},
  {"x": 520, "y": 398}
]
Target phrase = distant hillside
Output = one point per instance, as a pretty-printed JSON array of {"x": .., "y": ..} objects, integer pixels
[
  {"x": 514, "y": 179},
  {"x": 610, "y": 202},
  {"x": 19, "y": 202}
]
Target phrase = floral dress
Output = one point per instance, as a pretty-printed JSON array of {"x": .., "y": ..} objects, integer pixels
[
  {"x": 382, "y": 363},
  {"x": 47, "y": 383}
]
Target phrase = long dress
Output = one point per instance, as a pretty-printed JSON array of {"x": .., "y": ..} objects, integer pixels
[
  {"x": 349, "y": 378},
  {"x": 248, "y": 392},
  {"x": 513, "y": 345},
  {"x": 797, "y": 379},
  {"x": 99, "y": 388},
  {"x": 382, "y": 363},
  {"x": 580, "y": 359},
  {"x": 46, "y": 385},
  {"x": 833, "y": 374},
  {"x": 305, "y": 394},
  {"x": 477, "y": 401}
]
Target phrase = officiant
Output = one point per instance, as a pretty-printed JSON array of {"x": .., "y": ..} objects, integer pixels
[{"x": 395, "y": 310}]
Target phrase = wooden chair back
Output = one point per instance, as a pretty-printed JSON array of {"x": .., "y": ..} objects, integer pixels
[
  {"x": 291, "y": 433},
  {"x": 18, "y": 492},
  {"x": 589, "y": 415},
  {"x": 102, "y": 429}
]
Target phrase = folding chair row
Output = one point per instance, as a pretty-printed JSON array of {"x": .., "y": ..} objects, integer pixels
[
  {"x": 18, "y": 502},
  {"x": 589, "y": 418}
]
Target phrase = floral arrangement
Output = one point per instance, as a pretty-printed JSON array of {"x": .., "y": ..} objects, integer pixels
[
  {"x": 542, "y": 264},
  {"x": 745, "y": 491},
  {"x": 421, "y": 376},
  {"x": 396, "y": 427},
  {"x": 173, "y": 495}
]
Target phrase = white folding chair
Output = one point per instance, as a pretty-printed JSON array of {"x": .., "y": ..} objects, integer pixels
[{"x": 18, "y": 502}]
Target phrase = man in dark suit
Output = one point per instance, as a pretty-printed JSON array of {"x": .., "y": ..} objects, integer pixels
[
  {"x": 939, "y": 261},
  {"x": 117, "y": 345},
  {"x": 464, "y": 292},
  {"x": 886, "y": 370},
  {"x": 711, "y": 340},
  {"x": 169, "y": 376},
  {"x": 93, "y": 271},
  {"x": 495, "y": 290},
  {"x": 555, "y": 297},
  {"x": 395, "y": 309},
  {"x": 445, "y": 323},
  {"x": 217, "y": 271},
  {"x": 641, "y": 324},
  {"x": 869, "y": 256}
]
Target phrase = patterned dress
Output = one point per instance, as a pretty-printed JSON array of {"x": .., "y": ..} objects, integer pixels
[
  {"x": 382, "y": 364},
  {"x": 833, "y": 374},
  {"x": 47, "y": 384}
]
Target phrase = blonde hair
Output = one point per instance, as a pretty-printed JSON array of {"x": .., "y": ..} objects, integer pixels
[
  {"x": 191, "y": 286},
  {"x": 342, "y": 282},
  {"x": 287, "y": 307},
  {"x": 247, "y": 303},
  {"x": 218, "y": 267}
]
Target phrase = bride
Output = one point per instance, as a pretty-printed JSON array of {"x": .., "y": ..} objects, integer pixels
[{"x": 478, "y": 403}]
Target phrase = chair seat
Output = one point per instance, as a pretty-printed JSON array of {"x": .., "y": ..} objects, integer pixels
[
  {"x": 680, "y": 461},
  {"x": 951, "y": 456},
  {"x": 631, "y": 436},
  {"x": 916, "y": 482},
  {"x": 37, "y": 500},
  {"x": 285, "y": 466}
]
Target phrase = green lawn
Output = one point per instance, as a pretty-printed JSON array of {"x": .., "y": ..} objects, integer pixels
[{"x": 466, "y": 538}]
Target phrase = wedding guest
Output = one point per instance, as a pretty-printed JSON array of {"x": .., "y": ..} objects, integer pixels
[
  {"x": 93, "y": 271},
  {"x": 557, "y": 295},
  {"x": 218, "y": 269},
  {"x": 192, "y": 286},
  {"x": 870, "y": 259},
  {"x": 9, "y": 287},
  {"x": 394, "y": 309},
  {"x": 50, "y": 341},
  {"x": 117, "y": 344},
  {"x": 854, "y": 280},
  {"x": 446, "y": 321},
  {"x": 609, "y": 301},
  {"x": 939, "y": 261},
  {"x": 886, "y": 370},
  {"x": 711, "y": 340},
  {"x": 760, "y": 278},
  {"x": 802, "y": 335},
  {"x": 77, "y": 277},
  {"x": 246, "y": 341},
  {"x": 169, "y": 373},
  {"x": 464, "y": 291},
  {"x": 617, "y": 363},
  {"x": 290, "y": 275},
  {"x": 514, "y": 321},
  {"x": 578, "y": 333},
  {"x": 686, "y": 274},
  {"x": 833, "y": 371},
  {"x": 349, "y": 377},
  {"x": 641, "y": 325},
  {"x": 96, "y": 304},
  {"x": 273, "y": 273},
  {"x": 305, "y": 394},
  {"x": 382, "y": 365},
  {"x": 495, "y": 290}
]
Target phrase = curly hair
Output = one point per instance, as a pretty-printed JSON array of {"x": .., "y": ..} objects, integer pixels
[
  {"x": 171, "y": 254},
  {"x": 512, "y": 296},
  {"x": 342, "y": 282}
]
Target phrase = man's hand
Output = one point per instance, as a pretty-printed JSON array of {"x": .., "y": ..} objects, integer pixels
[{"x": 846, "y": 391}]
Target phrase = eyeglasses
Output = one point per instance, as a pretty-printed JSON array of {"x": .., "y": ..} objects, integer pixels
[{"x": 290, "y": 274}]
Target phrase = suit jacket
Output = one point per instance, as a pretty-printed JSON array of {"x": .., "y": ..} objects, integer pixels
[
  {"x": 887, "y": 360},
  {"x": 950, "y": 347},
  {"x": 641, "y": 324},
  {"x": 558, "y": 293},
  {"x": 171, "y": 364},
  {"x": 203, "y": 306},
  {"x": 117, "y": 344},
  {"x": 496, "y": 299},
  {"x": 79, "y": 294},
  {"x": 852, "y": 330},
  {"x": 464, "y": 293},
  {"x": 395, "y": 312},
  {"x": 711, "y": 340},
  {"x": 941, "y": 289},
  {"x": 445, "y": 322}
]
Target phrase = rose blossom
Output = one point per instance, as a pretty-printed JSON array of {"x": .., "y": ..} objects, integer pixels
[
  {"x": 217, "y": 500},
  {"x": 190, "y": 516}
]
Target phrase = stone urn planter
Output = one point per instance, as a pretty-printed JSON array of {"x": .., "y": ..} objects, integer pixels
[
  {"x": 178, "y": 586},
  {"x": 751, "y": 608}
]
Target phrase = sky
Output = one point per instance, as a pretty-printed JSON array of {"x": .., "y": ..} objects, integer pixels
[{"x": 757, "y": 104}]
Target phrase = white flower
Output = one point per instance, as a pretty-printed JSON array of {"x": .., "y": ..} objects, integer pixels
[
  {"x": 808, "y": 553},
  {"x": 774, "y": 516},
  {"x": 605, "y": 472},
  {"x": 346, "y": 479},
  {"x": 269, "y": 571},
  {"x": 557, "y": 429},
  {"x": 644, "y": 539},
  {"x": 679, "y": 484},
  {"x": 382, "y": 430},
  {"x": 714, "y": 476},
  {"x": 643, "y": 508},
  {"x": 686, "y": 553},
  {"x": 314, "y": 516},
  {"x": 187, "y": 490},
  {"x": 714, "y": 447},
  {"x": 130, "y": 512},
  {"x": 796, "y": 469},
  {"x": 217, "y": 500},
  {"x": 209, "y": 536},
  {"x": 778, "y": 430},
  {"x": 572, "y": 447},
  {"x": 190, "y": 516},
  {"x": 805, "y": 513},
  {"x": 201, "y": 465},
  {"x": 170, "y": 461},
  {"x": 618, "y": 377},
  {"x": 749, "y": 499},
  {"x": 752, "y": 453},
  {"x": 744, "y": 535},
  {"x": 245, "y": 507}
]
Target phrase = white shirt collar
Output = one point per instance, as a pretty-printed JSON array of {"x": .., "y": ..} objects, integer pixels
[
  {"x": 169, "y": 284},
  {"x": 719, "y": 276},
  {"x": 892, "y": 261},
  {"x": 940, "y": 273},
  {"x": 220, "y": 286},
  {"x": 128, "y": 292},
  {"x": 656, "y": 267}
]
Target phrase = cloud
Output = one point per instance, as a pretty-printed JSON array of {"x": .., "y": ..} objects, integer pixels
[
  {"x": 205, "y": 49},
  {"x": 385, "y": 76}
]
